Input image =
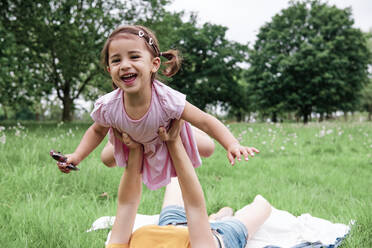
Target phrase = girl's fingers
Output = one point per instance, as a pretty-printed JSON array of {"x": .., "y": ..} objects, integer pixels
[
  {"x": 231, "y": 158},
  {"x": 245, "y": 153},
  {"x": 255, "y": 150},
  {"x": 63, "y": 167},
  {"x": 237, "y": 154}
]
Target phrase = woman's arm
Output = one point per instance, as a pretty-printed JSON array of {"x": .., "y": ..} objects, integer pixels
[
  {"x": 129, "y": 194},
  {"x": 218, "y": 131},
  {"x": 193, "y": 197}
]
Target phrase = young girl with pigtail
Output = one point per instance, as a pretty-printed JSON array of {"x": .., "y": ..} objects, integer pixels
[{"x": 141, "y": 105}]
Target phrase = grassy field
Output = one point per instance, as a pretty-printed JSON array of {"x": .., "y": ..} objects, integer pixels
[{"x": 323, "y": 169}]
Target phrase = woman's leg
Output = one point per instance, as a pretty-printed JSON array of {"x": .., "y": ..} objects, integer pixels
[
  {"x": 173, "y": 194},
  {"x": 107, "y": 155},
  {"x": 225, "y": 212},
  {"x": 254, "y": 214}
]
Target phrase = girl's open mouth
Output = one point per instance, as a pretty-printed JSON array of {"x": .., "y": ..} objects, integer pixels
[{"x": 129, "y": 78}]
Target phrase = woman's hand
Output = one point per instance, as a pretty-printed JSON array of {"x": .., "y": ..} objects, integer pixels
[
  {"x": 236, "y": 151},
  {"x": 126, "y": 139},
  {"x": 174, "y": 131}
]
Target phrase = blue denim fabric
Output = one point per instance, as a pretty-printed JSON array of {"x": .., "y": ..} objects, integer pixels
[
  {"x": 233, "y": 232},
  {"x": 171, "y": 215}
]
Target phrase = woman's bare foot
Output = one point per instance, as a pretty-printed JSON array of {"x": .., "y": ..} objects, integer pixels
[{"x": 222, "y": 213}]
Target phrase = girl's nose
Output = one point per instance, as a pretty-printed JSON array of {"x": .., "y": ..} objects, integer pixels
[{"x": 124, "y": 64}]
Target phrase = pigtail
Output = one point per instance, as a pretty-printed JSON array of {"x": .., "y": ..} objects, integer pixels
[{"x": 173, "y": 64}]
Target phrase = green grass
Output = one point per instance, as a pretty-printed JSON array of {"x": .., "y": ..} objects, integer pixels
[{"x": 323, "y": 169}]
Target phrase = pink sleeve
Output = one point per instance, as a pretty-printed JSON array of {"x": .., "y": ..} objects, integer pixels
[
  {"x": 172, "y": 101},
  {"x": 99, "y": 113}
]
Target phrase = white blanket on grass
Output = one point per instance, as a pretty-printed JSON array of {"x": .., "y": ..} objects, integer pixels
[{"x": 281, "y": 229}]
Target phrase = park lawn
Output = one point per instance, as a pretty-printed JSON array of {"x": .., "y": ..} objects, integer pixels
[{"x": 324, "y": 169}]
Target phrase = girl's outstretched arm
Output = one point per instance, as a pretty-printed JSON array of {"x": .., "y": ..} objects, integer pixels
[
  {"x": 91, "y": 139},
  {"x": 129, "y": 194},
  {"x": 218, "y": 131}
]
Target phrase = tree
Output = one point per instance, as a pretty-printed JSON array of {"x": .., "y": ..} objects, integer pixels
[
  {"x": 367, "y": 90},
  {"x": 16, "y": 76},
  {"x": 61, "y": 41},
  {"x": 308, "y": 59},
  {"x": 210, "y": 69},
  {"x": 367, "y": 99}
]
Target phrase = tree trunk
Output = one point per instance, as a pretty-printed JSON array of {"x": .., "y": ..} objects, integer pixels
[
  {"x": 321, "y": 118},
  {"x": 306, "y": 118},
  {"x": 5, "y": 113},
  {"x": 345, "y": 116},
  {"x": 274, "y": 117},
  {"x": 238, "y": 116},
  {"x": 67, "y": 112}
]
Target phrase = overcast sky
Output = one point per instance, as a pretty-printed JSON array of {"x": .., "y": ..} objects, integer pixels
[{"x": 244, "y": 17}]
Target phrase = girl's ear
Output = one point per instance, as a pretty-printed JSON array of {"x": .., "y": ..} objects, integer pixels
[
  {"x": 155, "y": 64},
  {"x": 108, "y": 68}
]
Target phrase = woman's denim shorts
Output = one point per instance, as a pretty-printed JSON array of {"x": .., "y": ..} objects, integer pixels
[{"x": 233, "y": 232}]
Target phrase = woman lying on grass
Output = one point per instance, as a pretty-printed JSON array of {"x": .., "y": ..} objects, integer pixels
[{"x": 183, "y": 220}]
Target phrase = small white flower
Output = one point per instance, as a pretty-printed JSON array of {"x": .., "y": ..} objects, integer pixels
[
  {"x": 250, "y": 129},
  {"x": 2, "y": 128},
  {"x": 329, "y": 131},
  {"x": 282, "y": 148},
  {"x": 322, "y": 133},
  {"x": 17, "y": 133},
  {"x": 263, "y": 142}
]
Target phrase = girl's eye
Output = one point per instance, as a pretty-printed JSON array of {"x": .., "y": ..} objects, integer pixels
[
  {"x": 135, "y": 57},
  {"x": 115, "y": 60}
]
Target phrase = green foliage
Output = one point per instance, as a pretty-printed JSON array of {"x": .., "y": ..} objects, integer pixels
[
  {"x": 210, "y": 70},
  {"x": 59, "y": 42},
  {"x": 308, "y": 59},
  {"x": 367, "y": 99}
]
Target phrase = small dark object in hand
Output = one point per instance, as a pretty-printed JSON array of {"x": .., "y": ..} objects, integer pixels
[{"x": 61, "y": 158}]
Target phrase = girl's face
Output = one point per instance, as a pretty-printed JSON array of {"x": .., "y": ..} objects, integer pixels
[{"x": 131, "y": 64}]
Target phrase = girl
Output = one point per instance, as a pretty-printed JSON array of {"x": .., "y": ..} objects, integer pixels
[{"x": 141, "y": 105}]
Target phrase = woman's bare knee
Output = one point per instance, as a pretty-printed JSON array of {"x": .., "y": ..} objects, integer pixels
[{"x": 254, "y": 214}]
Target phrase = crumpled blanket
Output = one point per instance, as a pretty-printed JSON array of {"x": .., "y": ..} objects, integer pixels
[{"x": 281, "y": 230}]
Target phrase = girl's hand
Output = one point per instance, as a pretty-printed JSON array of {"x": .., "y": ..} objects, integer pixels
[
  {"x": 126, "y": 139},
  {"x": 236, "y": 151},
  {"x": 71, "y": 159}
]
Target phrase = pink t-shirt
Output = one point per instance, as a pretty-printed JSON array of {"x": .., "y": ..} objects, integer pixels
[{"x": 166, "y": 104}]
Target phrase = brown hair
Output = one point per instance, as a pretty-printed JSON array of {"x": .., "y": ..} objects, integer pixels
[{"x": 174, "y": 60}]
